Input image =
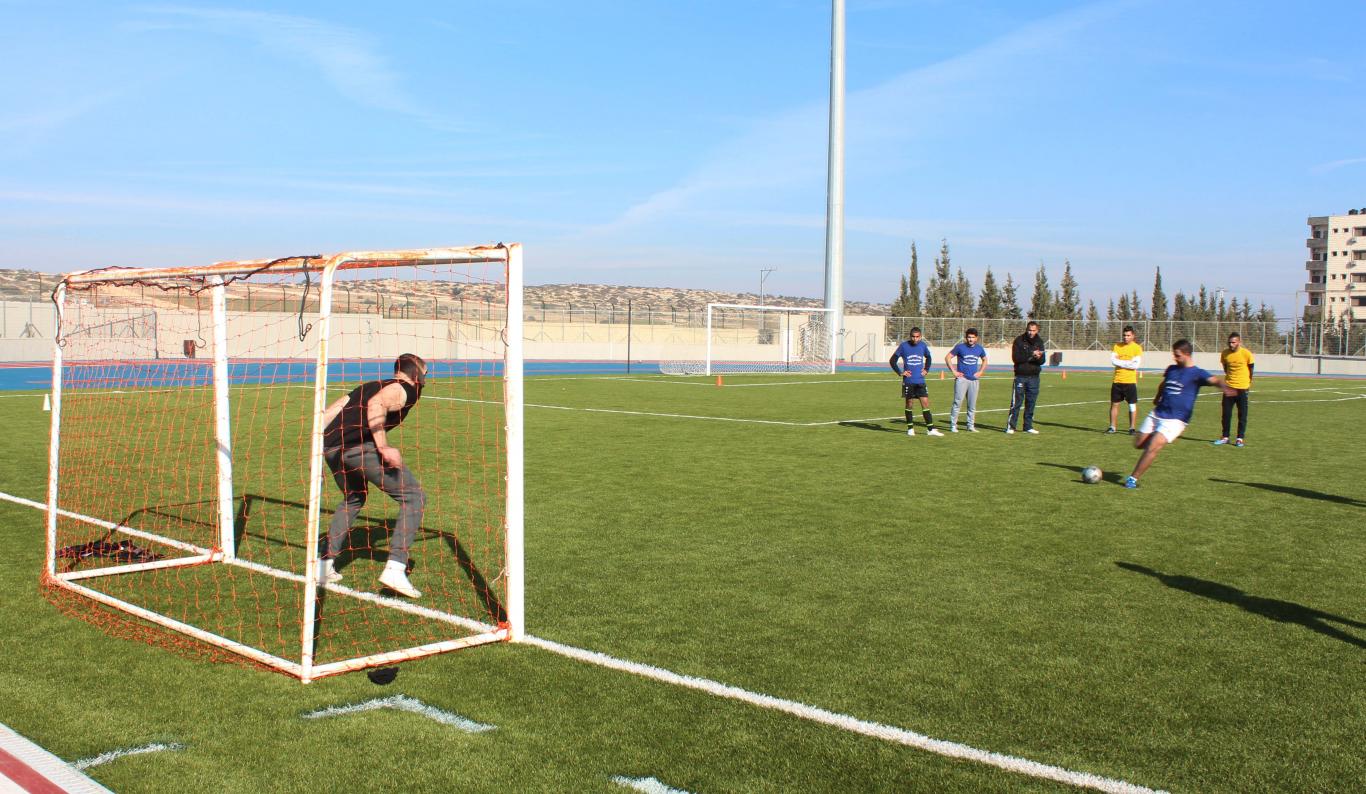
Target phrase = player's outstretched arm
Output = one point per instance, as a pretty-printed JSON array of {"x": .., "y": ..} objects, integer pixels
[
  {"x": 332, "y": 411},
  {"x": 1215, "y": 380}
]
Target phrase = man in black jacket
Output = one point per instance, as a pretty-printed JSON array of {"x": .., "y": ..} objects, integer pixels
[{"x": 1027, "y": 353}]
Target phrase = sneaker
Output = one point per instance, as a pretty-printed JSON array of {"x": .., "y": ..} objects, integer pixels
[
  {"x": 1109, "y": 431},
  {"x": 953, "y": 429},
  {"x": 1239, "y": 443},
  {"x": 910, "y": 431},
  {"x": 972, "y": 429},
  {"x": 935, "y": 432},
  {"x": 1010, "y": 430},
  {"x": 1032, "y": 432},
  {"x": 327, "y": 572},
  {"x": 1133, "y": 432},
  {"x": 395, "y": 577},
  {"x": 1220, "y": 442},
  {"x": 1130, "y": 482}
]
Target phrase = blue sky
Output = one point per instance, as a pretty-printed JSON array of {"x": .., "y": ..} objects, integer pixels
[{"x": 683, "y": 142}]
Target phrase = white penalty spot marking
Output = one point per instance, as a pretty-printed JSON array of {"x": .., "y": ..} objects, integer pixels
[
  {"x": 114, "y": 755},
  {"x": 648, "y": 785},
  {"x": 402, "y": 703}
]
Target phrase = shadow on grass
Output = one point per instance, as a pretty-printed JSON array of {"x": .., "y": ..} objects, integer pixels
[
  {"x": 1271, "y": 608},
  {"x": 872, "y": 426},
  {"x": 368, "y": 539},
  {"x": 1304, "y": 493},
  {"x": 1108, "y": 476}
]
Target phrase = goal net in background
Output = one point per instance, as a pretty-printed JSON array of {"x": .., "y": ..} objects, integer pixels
[
  {"x": 761, "y": 339},
  {"x": 187, "y": 484}
]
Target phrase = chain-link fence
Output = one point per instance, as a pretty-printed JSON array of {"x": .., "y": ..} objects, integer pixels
[{"x": 1205, "y": 335}]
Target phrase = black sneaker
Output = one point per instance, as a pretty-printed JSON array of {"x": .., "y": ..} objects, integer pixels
[
  {"x": 1133, "y": 432},
  {"x": 1109, "y": 431}
]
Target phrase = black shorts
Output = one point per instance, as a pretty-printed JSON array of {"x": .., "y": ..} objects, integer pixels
[
  {"x": 1124, "y": 393},
  {"x": 910, "y": 391}
]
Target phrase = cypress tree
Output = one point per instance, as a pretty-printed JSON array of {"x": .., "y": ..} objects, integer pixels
[
  {"x": 1159, "y": 298},
  {"x": 1068, "y": 303},
  {"x": 1010, "y": 303},
  {"x": 989, "y": 302},
  {"x": 1041, "y": 304}
]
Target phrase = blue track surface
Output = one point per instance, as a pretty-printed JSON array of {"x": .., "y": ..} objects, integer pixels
[{"x": 110, "y": 375}]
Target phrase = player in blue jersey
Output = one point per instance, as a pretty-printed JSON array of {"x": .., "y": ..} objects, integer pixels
[
  {"x": 1175, "y": 402},
  {"x": 971, "y": 364},
  {"x": 915, "y": 358}
]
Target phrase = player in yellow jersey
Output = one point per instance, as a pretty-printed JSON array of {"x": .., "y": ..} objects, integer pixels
[
  {"x": 1126, "y": 356},
  {"x": 1237, "y": 361}
]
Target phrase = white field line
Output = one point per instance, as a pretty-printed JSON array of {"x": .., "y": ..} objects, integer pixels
[
  {"x": 403, "y": 703},
  {"x": 114, "y": 755},
  {"x": 648, "y": 785},
  {"x": 874, "y": 730}
]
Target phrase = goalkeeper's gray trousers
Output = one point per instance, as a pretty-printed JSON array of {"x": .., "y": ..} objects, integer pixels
[
  {"x": 964, "y": 388},
  {"x": 354, "y": 468}
]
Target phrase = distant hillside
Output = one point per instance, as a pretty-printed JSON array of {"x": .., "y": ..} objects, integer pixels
[{"x": 32, "y": 285}]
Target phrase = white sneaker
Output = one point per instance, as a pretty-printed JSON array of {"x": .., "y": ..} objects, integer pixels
[
  {"x": 910, "y": 431},
  {"x": 327, "y": 572},
  {"x": 934, "y": 431},
  {"x": 953, "y": 429},
  {"x": 395, "y": 577},
  {"x": 1032, "y": 432},
  {"x": 1010, "y": 430},
  {"x": 972, "y": 429}
]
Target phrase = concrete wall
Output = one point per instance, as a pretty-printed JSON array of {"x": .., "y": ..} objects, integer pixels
[{"x": 26, "y": 331}]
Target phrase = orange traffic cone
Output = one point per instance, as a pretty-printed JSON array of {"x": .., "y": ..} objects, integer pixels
[
  {"x": 1064, "y": 374},
  {"x": 941, "y": 374},
  {"x": 718, "y": 380}
]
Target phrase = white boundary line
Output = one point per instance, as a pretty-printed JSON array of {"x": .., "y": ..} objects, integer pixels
[
  {"x": 114, "y": 755},
  {"x": 874, "y": 730},
  {"x": 815, "y": 714},
  {"x": 402, "y": 703}
]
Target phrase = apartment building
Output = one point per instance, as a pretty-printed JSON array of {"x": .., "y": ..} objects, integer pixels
[{"x": 1337, "y": 264}]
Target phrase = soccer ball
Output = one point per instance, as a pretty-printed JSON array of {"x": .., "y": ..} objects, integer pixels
[{"x": 1091, "y": 474}]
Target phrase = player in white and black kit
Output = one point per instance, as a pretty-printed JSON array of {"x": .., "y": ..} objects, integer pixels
[{"x": 357, "y": 450}]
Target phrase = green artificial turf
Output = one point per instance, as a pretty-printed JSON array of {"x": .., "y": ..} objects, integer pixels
[{"x": 1205, "y": 632}]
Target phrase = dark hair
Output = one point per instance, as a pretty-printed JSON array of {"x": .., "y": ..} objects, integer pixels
[
  {"x": 1184, "y": 345},
  {"x": 1236, "y": 335},
  {"x": 1129, "y": 329},
  {"x": 1033, "y": 323},
  {"x": 971, "y": 332},
  {"x": 412, "y": 365},
  {"x": 914, "y": 330}
]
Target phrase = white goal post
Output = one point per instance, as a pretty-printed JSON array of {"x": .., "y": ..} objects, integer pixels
[
  {"x": 190, "y": 490},
  {"x": 752, "y": 339}
]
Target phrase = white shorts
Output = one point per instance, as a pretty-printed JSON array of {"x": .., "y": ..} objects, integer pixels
[{"x": 1170, "y": 428}]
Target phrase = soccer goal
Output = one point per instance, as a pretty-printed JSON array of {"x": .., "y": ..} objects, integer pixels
[
  {"x": 762, "y": 339},
  {"x": 188, "y": 485}
]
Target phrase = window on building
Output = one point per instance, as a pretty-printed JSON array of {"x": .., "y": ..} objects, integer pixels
[
  {"x": 1359, "y": 255},
  {"x": 1359, "y": 301},
  {"x": 1359, "y": 231}
]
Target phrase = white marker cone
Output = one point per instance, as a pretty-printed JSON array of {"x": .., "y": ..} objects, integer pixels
[{"x": 47, "y": 403}]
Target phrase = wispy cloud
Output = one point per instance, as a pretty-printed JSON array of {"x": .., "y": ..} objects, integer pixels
[
  {"x": 346, "y": 58},
  {"x": 1323, "y": 168},
  {"x": 788, "y": 149}
]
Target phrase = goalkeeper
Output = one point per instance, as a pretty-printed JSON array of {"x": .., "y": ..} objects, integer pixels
[{"x": 357, "y": 450}]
